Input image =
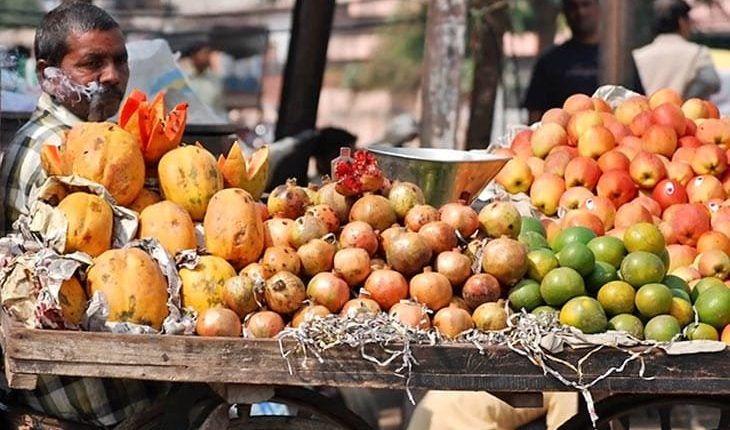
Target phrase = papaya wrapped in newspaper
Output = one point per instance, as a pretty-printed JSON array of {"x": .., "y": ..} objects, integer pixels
[
  {"x": 249, "y": 173},
  {"x": 156, "y": 131}
]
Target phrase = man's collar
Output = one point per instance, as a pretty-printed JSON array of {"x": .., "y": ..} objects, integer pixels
[{"x": 46, "y": 103}]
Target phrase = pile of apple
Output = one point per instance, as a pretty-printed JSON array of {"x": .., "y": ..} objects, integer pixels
[{"x": 656, "y": 159}]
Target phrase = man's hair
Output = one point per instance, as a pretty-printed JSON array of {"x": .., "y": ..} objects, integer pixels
[
  {"x": 667, "y": 14},
  {"x": 51, "y": 37}
]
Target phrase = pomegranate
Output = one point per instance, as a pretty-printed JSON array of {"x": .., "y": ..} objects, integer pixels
[
  {"x": 459, "y": 303},
  {"x": 312, "y": 191},
  {"x": 263, "y": 211},
  {"x": 358, "y": 234},
  {"x": 282, "y": 258},
  {"x": 257, "y": 271},
  {"x": 360, "y": 306},
  {"x": 277, "y": 232},
  {"x": 288, "y": 200},
  {"x": 480, "y": 288},
  {"x": 374, "y": 210},
  {"x": 378, "y": 263},
  {"x": 352, "y": 265},
  {"x": 461, "y": 217},
  {"x": 387, "y": 287},
  {"x": 357, "y": 174},
  {"x": 388, "y": 234},
  {"x": 328, "y": 290},
  {"x": 403, "y": 196},
  {"x": 329, "y": 196},
  {"x": 308, "y": 313},
  {"x": 408, "y": 253},
  {"x": 505, "y": 259},
  {"x": 284, "y": 292},
  {"x": 431, "y": 289},
  {"x": 317, "y": 256},
  {"x": 450, "y": 322},
  {"x": 218, "y": 321},
  {"x": 490, "y": 316},
  {"x": 264, "y": 324},
  {"x": 326, "y": 215},
  {"x": 420, "y": 215},
  {"x": 306, "y": 228},
  {"x": 454, "y": 265},
  {"x": 499, "y": 219},
  {"x": 239, "y": 295},
  {"x": 439, "y": 236},
  {"x": 411, "y": 315}
]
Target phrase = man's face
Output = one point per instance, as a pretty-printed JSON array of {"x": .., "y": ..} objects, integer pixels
[
  {"x": 98, "y": 58},
  {"x": 583, "y": 16}
]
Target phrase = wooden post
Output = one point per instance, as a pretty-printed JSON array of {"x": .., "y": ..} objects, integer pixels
[
  {"x": 616, "y": 42},
  {"x": 489, "y": 22},
  {"x": 305, "y": 64},
  {"x": 443, "y": 57}
]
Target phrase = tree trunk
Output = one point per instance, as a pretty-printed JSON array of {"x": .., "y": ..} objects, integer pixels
[
  {"x": 546, "y": 14},
  {"x": 490, "y": 21}
]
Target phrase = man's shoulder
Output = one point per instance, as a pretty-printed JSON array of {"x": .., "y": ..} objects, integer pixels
[{"x": 41, "y": 126}]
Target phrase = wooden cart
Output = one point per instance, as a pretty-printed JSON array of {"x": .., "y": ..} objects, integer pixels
[{"x": 233, "y": 365}]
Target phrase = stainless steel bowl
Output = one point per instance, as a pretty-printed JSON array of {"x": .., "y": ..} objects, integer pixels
[{"x": 444, "y": 175}]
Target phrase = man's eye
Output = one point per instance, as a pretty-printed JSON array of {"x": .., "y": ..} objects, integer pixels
[{"x": 91, "y": 64}]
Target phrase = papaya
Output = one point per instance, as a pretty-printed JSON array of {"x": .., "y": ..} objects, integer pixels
[
  {"x": 248, "y": 173},
  {"x": 233, "y": 227},
  {"x": 73, "y": 300},
  {"x": 145, "y": 198},
  {"x": 90, "y": 223},
  {"x": 190, "y": 177},
  {"x": 106, "y": 154},
  {"x": 170, "y": 224},
  {"x": 203, "y": 286},
  {"x": 133, "y": 285}
]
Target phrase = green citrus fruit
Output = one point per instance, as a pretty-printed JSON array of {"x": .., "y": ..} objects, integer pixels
[
  {"x": 533, "y": 240},
  {"x": 662, "y": 328},
  {"x": 681, "y": 294},
  {"x": 653, "y": 299},
  {"x": 577, "y": 256},
  {"x": 602, "y": 274},
  {"x": 540, "y": 262},
  {"x": 664, "y": 256},
  {"x": 608, "y": 249},
  {"x": 545, "y": 309},
  {"x": 701, "y": 331},
  {"x": 681, "y": 310},
  {"x": 628, "y": 323},
  {"x": 641, "y": 267},
  {"x": 673, "y": 282},
  {"x": 713, "y": 307},
  {"x": 572, "y": 234},
  {"x": 526, "y": 294},
  {"x": 644, "y": 236},
  {"x": 617, "y": 297},
  {"x": 584, "y": 313},
  {"x": 561, "y": 285},
  {"x": 532, "y": 224},
  {"x": 705, "y": 284}
]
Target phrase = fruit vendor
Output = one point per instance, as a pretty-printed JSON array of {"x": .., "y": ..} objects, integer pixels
[{"x": 82, "y": 67}]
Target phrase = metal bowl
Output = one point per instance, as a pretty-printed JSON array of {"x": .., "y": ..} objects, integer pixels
[{"x": 444, "y": 175}]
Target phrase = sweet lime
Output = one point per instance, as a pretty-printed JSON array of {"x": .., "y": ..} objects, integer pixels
[
  {"x": 533, "y": 240},
  {"x": 572, "y": 234},
  {"x": 545, "y": 309},
  {"x": 681, "y": 294},
  {"x": 561, "y": 285},
  {"x": 540, "y": 262},
  {"x": 653, "y": 299},
  {"x": 713, "y": 307},
  {"x": 608, "y": 249},
  {"x": 641, "y": 267},
  {"x": 617, "y": 297},
  {"x": 577, "y": 256},
  {"x": 628, "y": 323},
  {"x": 705, "y": 284},
  {"x": 644, "y": 236},
  {"x": 526, "y": 294},
  {"x": 673, "y": 282},
  {"x": 532, "y": 224},
  {"x": 701, "y": 331},
  {"x": 584, "y": 313},
  {"x": 602, "y": 274},
  {"x": 662, "y": 328},
  {"x": 681, "y": 310}
]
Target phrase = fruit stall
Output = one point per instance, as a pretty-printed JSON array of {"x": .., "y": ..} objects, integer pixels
[{"x": 598, "y": 263}]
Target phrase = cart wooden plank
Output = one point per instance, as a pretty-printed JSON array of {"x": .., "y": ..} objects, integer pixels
[{"x": 248, "y": 361}]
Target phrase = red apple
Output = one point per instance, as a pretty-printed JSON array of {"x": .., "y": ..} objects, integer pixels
[
  {"x": 688, "y": 221},
  {"x": 704, "y": 188},
  {"x": 603, "y": 209},
  {"x": 695, "y": 109},
  {"x": 714, "y": 131},
  {"x": 577, "y": 103},
  {"x": 680, "y": 256},
  {"x": 630, "y": 146},
  {"x": 670, "y": 115},
  {"x": 546, "y": 191},
  {"x": 521, "y": 145},
  {"x": 580, "y": 122},
  {"x": 669, "y": 192},
  {"x": 556, "y": 162},
  {"x": 627, "y": 110},
  {"x": 709, "y": 160},
  {"x": 665, "y": 95},
  {"x": 659, "y": 139},
  {"x": 583, "y": 218},
  {"x": 574, "y": 197},
  {"x": 617, "y": 186},
  {"x": 680, "y": 172},
  {"x": 595, "y": 142},
  {"x": 630, "y": 214},
  {"x": 689, "y": 142},
  {"x": 647, "y": 170},
  {"x": 645, "y": 199},
  {"x": 537, "y": 166},
  {"x": 582, "y": 172},
  {"x": 684, "y": 154},
  {"x": 613, "y": 160},
  {"x": 556, "y": 115},
  {"x": 641, "y": 123},
  {"x": 547, "y": 137}
]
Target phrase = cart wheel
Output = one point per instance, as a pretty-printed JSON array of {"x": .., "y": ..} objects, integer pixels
[
  {"x": 311, "y": 411},
  {"x": 663, "y": 412}
]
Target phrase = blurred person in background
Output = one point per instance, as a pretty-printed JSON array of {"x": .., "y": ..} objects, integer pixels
[
  {"x": 672, "y": 61},
  {"x": 572, "y": 67},
  {"x": 206, "y": 84}
]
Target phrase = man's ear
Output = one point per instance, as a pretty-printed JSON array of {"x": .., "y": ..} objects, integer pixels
[{"x": 40, "y": 67}]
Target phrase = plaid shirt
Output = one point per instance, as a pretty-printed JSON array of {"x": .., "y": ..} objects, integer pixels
[{"x": 102, "y": 402}]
